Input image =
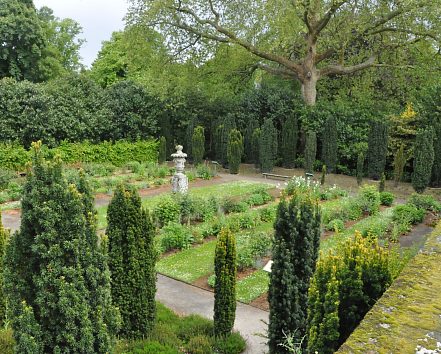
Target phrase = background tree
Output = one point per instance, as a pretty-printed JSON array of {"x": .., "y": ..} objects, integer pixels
[
  {"x": 436, "y": 168},
  {"x": 295, "y": 251},
  {"x": 377, "y": 149},
  {"x": 248, "y": 140},
  {"x": 225, "y": 284},
  {"x": 198, "y": 145},
  {"x": 330, "y": 144},
  {"x": 255, "y": 138},
  {"x": 310, "y": 151},
  {"x": 235, "y": 151},
  {"x": 360, "y": 168},
  {"x": 316, "y": 39},
  {"x": 267, "y": 146},
  {"x": 4, "y": 238},
  {"x": 132, "y": 259},
  {"x": 423, "y": 160},
  {"x": 224, "y": 129},
  {"x": 49, "y": 302},
  {"x": 162, "y": 150},
  {"x": 399, "y": 163},
  {"x": 23, "y": 40},
  {"x": 290, "y": 134}
]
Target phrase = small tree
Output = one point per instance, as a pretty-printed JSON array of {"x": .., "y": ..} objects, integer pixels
[
  {"x": 223, "y": 134},
  {"x": 399, "y": 163},
  {"x": 360, "y": 168},
  {"x": 290, "y": 133},
  {"x": 268, "y": 146},
  {"x": 295, "y": 250},
  {"x": 132, "y": 260},
  {"x": 423, "y": 160},
  {"x": 377, "y": 149},
  {"x": 225, "y": 284},
  {"x": 235, "y": 151},
  {"x": 162, "y": 150},
  {"x": 255, "y": 138},
  {"x": 330, "y": 144},
  {"x": 382, "y": 183},
  {"x": 198, "y": 145},
  {"x": 252, "y": 124},
  {"x": 310, "y": 151},
  {"x": 323, "y": 178}
]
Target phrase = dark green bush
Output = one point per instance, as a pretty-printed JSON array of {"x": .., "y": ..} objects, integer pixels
[
  {"x": 424, "y": 157},
  {"x": 408, "y": 213},
  {"x": 232, "y": 344},
  {"x": 234, "y": 150},
  {"x": 424, "y": 201},
  {"x": 175, "y": 236},
  {"x": 386, "y": 198}
]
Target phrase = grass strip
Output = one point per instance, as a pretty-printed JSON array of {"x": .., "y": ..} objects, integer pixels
[{"x": 251, "y": 287}]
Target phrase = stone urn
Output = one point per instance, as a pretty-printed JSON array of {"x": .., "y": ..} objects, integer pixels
[{"x": 179, "y": 180}]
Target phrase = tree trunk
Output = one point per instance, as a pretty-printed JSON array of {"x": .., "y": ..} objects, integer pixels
[{"x": 309, "y": 90}]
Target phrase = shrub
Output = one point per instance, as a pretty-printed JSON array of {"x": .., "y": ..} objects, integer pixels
[
  {"x": 336, "y": 225},
  {"x": 200, "y": 345},
  {"x": 426, "y": 202},
  {"x": 333, "y": 192},
  {"x": 369, "y": 199},
  {"x": 234, "y": 150},
  {"x": 175, "y": 236},
  {"x": 6, "y": 341},
  {"x": 424, "y": 156},
  {"x": 167, "y": 210},
  {"x": 231, "y": 344},
  {"x": 267, "y": 214},
  {"x": 204, "y": 172},
  {"x": 386, "y": 198},
  {"x": 251, "y": 246},
  {"x": 211, "y": 280},
  {"x": 229, "y": 205},
  {"x": 255, "y": 199},
  {"x": 6, "y": 176},
  {"x": 194, "y": 325},
  {"x": 408, "y": 213}
]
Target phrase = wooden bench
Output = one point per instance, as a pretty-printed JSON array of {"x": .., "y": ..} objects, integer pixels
[{"x": 273, "y": 175}]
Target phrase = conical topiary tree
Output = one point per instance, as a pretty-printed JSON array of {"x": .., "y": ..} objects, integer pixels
[
  {"x": 290, "y": 133},
  {"x": 235, "y": 151},
  {"x": 295, "y": 251},
  {"x": 162, "y": 150},
  {"x": 423, "y": 160},
  {"x": 252, "y": 124},
  {"x": 255, "y": 148},
  {"x": 225, "y": 284},
  {"x": 48, "y": 266},
  {"x": 436, "y": 168},
  {"x": 267, "y": 146},
  {"x": 377, "y": 149},
  {"x": 222, "y": 136},
  {"x": 400, "y": 160},
  {"x": 132, "y": 260},
  {"x": 198, "y": 145},
  {"x": 310, "y": 151},
  {"x": 330, "y": 144}
]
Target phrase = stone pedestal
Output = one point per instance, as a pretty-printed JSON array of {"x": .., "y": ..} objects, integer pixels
[{"x": 179, "y": 180}]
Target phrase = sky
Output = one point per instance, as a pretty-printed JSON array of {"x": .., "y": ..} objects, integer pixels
[{"x": 98, "y": 18}]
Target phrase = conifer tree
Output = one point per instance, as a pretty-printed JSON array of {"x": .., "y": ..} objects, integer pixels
[
  {"x": 323, "y": 178},
  {"x": 290, "y": 133},
  {"x": 382, "y": 183},
  {"x": 255, "y": 147},
  {"x": 4, "y": 236},
  {"x": 423, "y": 160},
  {"x": 189, "y": 136},
  {"x": 223, "y": 134},
  {"x": 198, "y": 145},
  {"x": 49, "y": 265},
  {"x": 235, "y": 151},
  {"x": 267, "y": 146},
  {"x": 400, "y": 160},
  {"x": 377, "y": 149},
  {"x": 162, "y": 150},
  {"x": 132, "y": 260},
  {"x": 436, "y": 168},
  {"x": 330, "y": 144},
  {"x": 310, "y": 151},
  {"x": 252, "y": 124},
  {"x": 295, "y": 250},
  {"x": 225, "y": 284},
  {"x": 360, "y": 168}
]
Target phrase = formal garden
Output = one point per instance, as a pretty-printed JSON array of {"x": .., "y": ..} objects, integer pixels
[{"x": 226, "y": 177}]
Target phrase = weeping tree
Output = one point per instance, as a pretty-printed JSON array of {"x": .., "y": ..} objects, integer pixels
[
  {"x": 290, "y": 133},
  {"x": 314, "y": 39}
]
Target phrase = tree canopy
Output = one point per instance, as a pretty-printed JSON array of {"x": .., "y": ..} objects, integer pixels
[{"x": 305, "y": 40}]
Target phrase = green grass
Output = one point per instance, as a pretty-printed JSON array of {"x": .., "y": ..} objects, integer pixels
[
  {"x": 252, "y": 287},
  {"x": 190, "y": 264}
]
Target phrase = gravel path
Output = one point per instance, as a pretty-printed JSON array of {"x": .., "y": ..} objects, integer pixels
[{"x": 187, "y": 299}]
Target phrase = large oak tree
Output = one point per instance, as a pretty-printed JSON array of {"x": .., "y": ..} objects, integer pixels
[{"x": 306, "y": 40}]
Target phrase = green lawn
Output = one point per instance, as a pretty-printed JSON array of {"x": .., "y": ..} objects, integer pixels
[
  {"x": 190, "y": 264},
  {"x": 253, "y": 286}
]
